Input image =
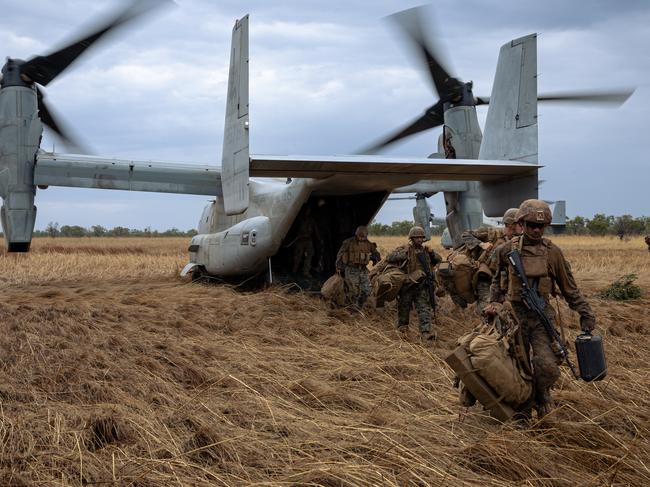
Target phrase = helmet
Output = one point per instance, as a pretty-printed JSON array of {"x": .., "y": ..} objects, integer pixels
[
  {"x": 509, "y": 217},
  {"x": 361, "y": 231},
  {"x": 535, "y": 211},
  {"x": 416, "y": 232}
]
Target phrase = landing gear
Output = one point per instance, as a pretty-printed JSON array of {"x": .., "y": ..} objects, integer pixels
[{"x": 198, "y": 275}]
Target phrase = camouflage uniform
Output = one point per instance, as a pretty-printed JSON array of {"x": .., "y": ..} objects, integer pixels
[
  {"x": 472, "y": 239},
  {"x": 545, "y": 264},
  {"x": 303, "y": 245},
  {"x": 415, "y": 290},
  {"x": 352, "y": 261},
  {"x": 647, "y": 241}
]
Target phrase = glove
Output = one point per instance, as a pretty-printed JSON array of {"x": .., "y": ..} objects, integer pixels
[
  {"x": 492, "y": 310},
  {"x": 587, "y": 325}
]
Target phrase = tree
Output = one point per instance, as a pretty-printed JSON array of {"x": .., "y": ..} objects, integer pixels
[
  {"x": 119, "y": 232},
  {"x": 627, "y": 225},
  {"x": 73, "y": 231},
  {"x": 98, "y": 231},
  {"x": 576, "y": 226},
  {"x": 600, "y": 224},
  {"x": 52, "y": 229}
]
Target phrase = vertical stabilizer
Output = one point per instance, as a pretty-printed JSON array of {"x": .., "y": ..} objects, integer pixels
[
  {"x": 235, "y": 160},
  {"x": 511, "y": 125},
  {"x": 558, "y": 223}
]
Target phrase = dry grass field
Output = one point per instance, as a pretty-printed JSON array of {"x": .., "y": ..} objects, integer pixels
[{"x": 115, "y": 372}]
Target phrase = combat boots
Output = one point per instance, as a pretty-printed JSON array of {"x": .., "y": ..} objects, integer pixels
[
  {"x": 429, "y": 335},
  {"x": 465, "y": 397},
  {"x": 543, "y": 403}
]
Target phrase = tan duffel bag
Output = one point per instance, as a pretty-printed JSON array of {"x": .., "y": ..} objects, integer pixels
[
  {"x": 387, "y": 284},
  {"x": 491, "y": 364},
  {"x": 334, "y": 290},
  {"x": 490, "y": 356}
]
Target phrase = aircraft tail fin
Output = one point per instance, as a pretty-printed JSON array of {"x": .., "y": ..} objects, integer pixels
[
  {"x": 559, "y": 214},
  {"x": 511, "y": 125},
  {"x": 235, "y": 160}
]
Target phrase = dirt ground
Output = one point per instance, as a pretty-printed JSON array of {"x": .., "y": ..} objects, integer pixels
[{"x": 114, "y": 371}]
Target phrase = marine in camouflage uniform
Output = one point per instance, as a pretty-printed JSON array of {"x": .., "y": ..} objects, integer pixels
[
  {"x": 415, "y": 291},
  {"x": 303, "y": 244},
  {"x": 352, "y": 262},
  {"x": 548, "y": 270},
  {"x": 499, "y": 280},
  {"x": 479, "y": 244}
]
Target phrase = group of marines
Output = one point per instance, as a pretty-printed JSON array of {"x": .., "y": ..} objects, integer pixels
[{"x": 496, "y": 282}]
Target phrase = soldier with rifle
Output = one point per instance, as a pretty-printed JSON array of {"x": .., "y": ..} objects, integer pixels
[
  {"x": 536, "y": 268},
  {"x": 418, "y": 262}
]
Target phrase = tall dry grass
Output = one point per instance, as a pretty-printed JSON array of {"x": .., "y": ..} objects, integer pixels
[
  {"x": 79, "y": 259},
  {"x": 113, "y": 371}
]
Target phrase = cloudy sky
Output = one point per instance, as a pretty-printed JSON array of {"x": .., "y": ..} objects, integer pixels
[{"x": 328, "y": 77}]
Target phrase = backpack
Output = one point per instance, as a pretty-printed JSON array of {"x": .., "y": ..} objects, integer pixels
[
  {"x": 497, "y": 356},
  {"x": 456, "y": 277}
]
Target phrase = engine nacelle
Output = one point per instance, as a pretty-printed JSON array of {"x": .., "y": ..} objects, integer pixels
[
  {"x": 20, "y": 132},
  {"x": 242, "y": 249}
]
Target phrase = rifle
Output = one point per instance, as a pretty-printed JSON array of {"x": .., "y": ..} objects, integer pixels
[
  {"x": 535, "y": 302},
  {"x": 430, "y": 280}
]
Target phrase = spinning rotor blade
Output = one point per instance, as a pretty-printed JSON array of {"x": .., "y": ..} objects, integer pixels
[
  {"x": 46, "y": 116},
  {"x": 610, "y": 97},
  {"x": 614, "y": 97},
  {"x": 43, "y": 69},
  {"x": 410, "y": 22},
  {"x": 433, "y": 117}
]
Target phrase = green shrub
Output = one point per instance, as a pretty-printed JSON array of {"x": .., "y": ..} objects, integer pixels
[{"x": 622, "y": 289}]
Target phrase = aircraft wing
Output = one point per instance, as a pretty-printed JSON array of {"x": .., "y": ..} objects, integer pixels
[
  {"x": 102, "y": 173},
  {"x": 376, "y": 173}
]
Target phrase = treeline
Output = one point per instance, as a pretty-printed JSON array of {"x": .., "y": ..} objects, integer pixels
[
  {"x": 602, "y": 224},
  {"x": 54, "y": 230}
]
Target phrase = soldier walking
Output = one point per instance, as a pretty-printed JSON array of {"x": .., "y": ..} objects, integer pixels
[
  {"x": 303, "y": 244},
  {"x": 547, "y": 271},
  {"x": 352, "y": 263},
  {"x": 479, "y": 244},
  {"x": 418, "y": 262},
  {"x": 499, "y": 279}
]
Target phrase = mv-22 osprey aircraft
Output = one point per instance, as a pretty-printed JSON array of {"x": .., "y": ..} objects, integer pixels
[{"x": 260, "y": 199}]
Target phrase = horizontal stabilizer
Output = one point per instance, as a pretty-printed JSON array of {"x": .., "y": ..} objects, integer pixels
[
  {"x": 101, "y": 173},
  {"x": 320, "y": 167}
]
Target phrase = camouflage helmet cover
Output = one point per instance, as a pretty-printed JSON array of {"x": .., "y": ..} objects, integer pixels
[
  {"x": 509, "y": 217},
  {"x": 535, "y": 211},
  {"x": 416, "y": 232}
]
